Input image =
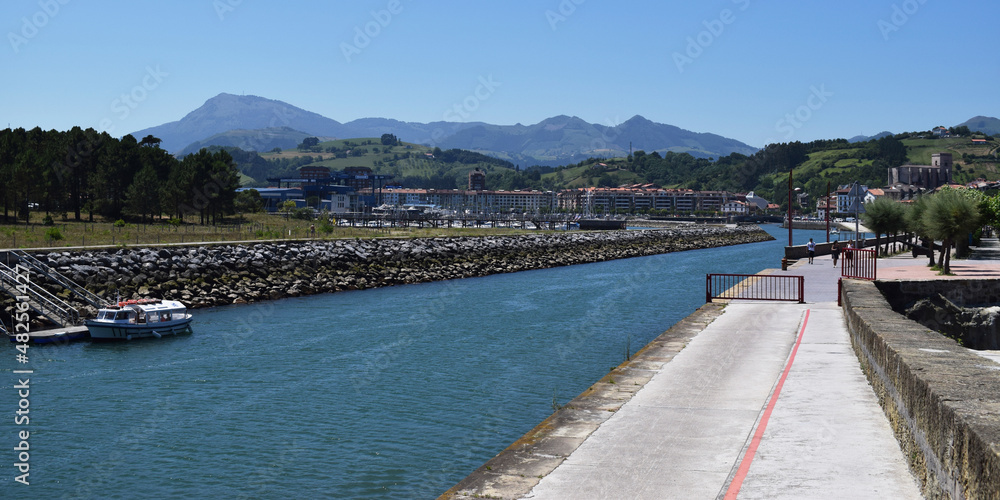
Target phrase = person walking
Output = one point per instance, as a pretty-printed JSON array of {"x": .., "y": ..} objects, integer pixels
[
  {"x": 835, "y": 252},
  {"x": 849, "y": 257},
  {"x": 811, "y": 246}
]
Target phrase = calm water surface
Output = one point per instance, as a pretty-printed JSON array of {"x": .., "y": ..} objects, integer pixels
[{"x": 396, "y": 392}]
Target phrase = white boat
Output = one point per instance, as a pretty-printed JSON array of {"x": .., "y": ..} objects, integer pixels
[{"x": 134, "y": 319}]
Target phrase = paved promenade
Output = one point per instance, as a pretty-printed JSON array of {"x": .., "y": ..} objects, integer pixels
[{"x": 768, "y": 401}]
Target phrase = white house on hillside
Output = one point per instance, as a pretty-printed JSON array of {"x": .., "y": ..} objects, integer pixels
[
  {"x": 735, "y": 207},
  {"x": 872, "y": 195}
]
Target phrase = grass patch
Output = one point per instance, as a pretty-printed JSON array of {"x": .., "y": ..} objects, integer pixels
[{"x": 247, "y": 228}]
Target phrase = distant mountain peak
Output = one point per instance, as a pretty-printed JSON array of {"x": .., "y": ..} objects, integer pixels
[
  {"x": 638, "y": 119},
  {"x": 559, "y": 119},
  {"x": 226, "y": 112},
  {"x": 260, "y": 123},
  {"x": 866, "y": 138},
  {"x": 984, "y": 124}
]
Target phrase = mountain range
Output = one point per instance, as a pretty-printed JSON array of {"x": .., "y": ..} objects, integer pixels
[
  {"x": 866, "y": 138},
  {"x": 260, "y": 124}
]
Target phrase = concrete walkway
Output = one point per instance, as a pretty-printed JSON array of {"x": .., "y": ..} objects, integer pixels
[{"x": 708, "y": 425}]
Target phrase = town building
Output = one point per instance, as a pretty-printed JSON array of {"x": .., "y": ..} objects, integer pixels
[
  {"x": 873, "y": 194},
  {"x": 848, "y": 195},
  {"x": 632, "y": 199},
  {"x": 824, "y": 205},
  {"x": 756, "y": 202},
  {"x": 736, "y": 207},
  {"x": 336, "y": 201},
  {"x": 477, "y": 180},
  {"x": 359, "y": 178},
  {"x": 924, "y": 177},
  {"x": 473, "y": 201}
]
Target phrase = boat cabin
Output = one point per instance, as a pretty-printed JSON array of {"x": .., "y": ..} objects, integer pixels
[{"x": 140, "y": 312}]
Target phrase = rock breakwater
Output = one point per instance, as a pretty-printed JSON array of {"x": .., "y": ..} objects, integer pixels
[{"x": 204, "y": 276}]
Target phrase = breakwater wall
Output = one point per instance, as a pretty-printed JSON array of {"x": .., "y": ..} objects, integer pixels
[
  {"x": 802, "y": 251},
  {"x": 205, "y": 276},
  {"x": 941, "y": 399}
]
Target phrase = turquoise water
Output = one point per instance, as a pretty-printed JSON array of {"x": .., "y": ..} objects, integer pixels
[{"x": 396, "y": 392}]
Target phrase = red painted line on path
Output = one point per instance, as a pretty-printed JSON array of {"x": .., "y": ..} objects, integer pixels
[{"x": 741, "y": 473}]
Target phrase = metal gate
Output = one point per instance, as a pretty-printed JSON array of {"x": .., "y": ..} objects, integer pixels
[
  {"x": 859, "y": 263},
  {"x": 755, "y": 287}
]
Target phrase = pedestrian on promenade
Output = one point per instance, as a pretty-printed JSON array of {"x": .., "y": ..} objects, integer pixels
[
  {"x": 812, "y": 249},
  {"x": 835, "y": 252},
  {"x": 849, "y": 256}
]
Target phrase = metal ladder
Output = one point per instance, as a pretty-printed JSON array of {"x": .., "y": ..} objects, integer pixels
[
  {"x": 38, "y": 266},
  {"x": 38, "y": 298}
]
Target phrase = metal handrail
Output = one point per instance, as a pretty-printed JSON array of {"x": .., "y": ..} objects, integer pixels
[
  {"x": 755, "y": 287},
  {"x": 44, "y": 302},
  {"x": 56, "y": 276}
]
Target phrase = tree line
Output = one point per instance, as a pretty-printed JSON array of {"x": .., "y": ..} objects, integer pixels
[
  {"x": 88, "y": 172},
  {"x": 949, "y": 216}
]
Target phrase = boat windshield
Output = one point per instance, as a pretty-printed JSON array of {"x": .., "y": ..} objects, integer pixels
[{"x": 121, "y": 315}]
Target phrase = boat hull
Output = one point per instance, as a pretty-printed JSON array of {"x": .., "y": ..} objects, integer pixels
[
  {"x": 62, "y": 336},
  {"x": 601, "y": 224},
  {"x": 110, "y": 331}
]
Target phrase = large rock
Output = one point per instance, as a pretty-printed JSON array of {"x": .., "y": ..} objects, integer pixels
[{"x": 275, "y": 270}]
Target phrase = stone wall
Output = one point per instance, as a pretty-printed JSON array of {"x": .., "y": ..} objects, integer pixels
[
  {"x": 942, "y": 400},
  {"x": 963, "y": 292},
  {"x": 203, "y": 276},
  {"x": 823, "y": 248},
  {"x": 966, "y": 310}
]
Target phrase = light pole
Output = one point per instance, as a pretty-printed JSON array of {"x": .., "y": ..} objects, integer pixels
[
  {"x": 857, "y": 208},
  {"x": 826, "y": 211},
  {"x": 789, "y": 207}
]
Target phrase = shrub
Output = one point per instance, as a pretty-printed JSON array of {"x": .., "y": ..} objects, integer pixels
[
  {"x": 270, "y": 234},
  {"x": 119, "y": 223},
  {"x": 53, "y": 234},
  {"x": 47, "y": 221},
  {"x": 304, "y": 213}
]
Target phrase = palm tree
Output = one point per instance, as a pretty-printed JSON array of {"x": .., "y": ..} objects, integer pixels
[
  {"x": 950, "y": 215},
  {"x": 883, "y": 216}
]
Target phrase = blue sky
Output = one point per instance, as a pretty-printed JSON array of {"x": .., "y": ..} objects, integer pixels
[{"x": 752, "y": 70}]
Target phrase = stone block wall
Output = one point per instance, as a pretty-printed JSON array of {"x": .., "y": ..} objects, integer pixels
[{"x": 942, "y": 400}]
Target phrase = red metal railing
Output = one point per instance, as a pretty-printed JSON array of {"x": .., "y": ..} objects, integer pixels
[
  {"x": 755, "y": 287},
  {"x": 858, "y": 263}
]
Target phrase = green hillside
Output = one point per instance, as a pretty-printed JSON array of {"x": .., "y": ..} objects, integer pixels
[
  {"x": 251, "y": 140},
  {"x": 815, "y": 165},
  {"x": 412, "y": 165},
  {"x": 861, "y": 162}
]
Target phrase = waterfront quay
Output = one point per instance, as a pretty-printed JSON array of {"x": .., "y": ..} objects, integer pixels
[{"x": 754, "y": 399}]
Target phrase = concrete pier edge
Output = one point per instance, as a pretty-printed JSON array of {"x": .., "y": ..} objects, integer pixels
[
  {"x": 941, "y": 400},
  {"x": 517, "y": 469}
]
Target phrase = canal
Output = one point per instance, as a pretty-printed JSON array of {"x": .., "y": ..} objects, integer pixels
[{"x": 395, "y": 392}]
